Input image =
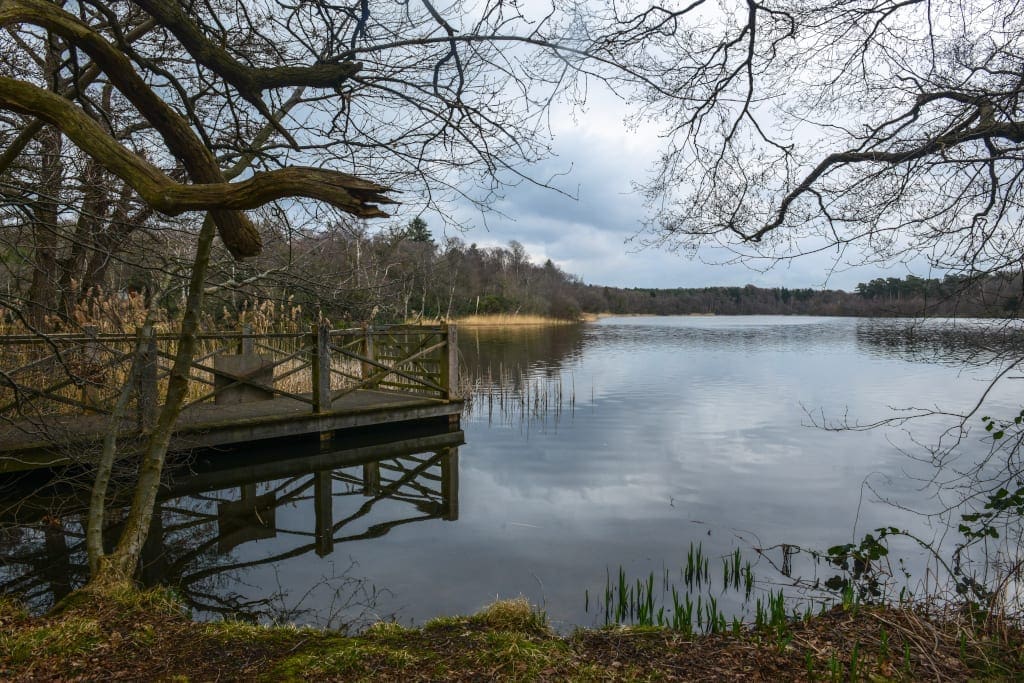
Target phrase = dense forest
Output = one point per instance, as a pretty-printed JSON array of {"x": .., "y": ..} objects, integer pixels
[{"x": 404, "y": 273}]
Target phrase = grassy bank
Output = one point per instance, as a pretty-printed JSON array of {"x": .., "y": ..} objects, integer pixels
[{"x": 128, "y": 635}]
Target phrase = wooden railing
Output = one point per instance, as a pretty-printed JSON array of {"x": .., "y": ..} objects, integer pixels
[{"x": 84, "y": 373}]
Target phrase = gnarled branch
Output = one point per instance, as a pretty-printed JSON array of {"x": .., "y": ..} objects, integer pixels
[
  {"x": 349, "y": 193},
  {"x": 236, "y": 230},
  {"x": 249, "y": 81}
]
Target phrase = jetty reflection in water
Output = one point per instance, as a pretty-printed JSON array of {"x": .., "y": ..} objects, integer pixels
[{"x": 222, "y": 518}]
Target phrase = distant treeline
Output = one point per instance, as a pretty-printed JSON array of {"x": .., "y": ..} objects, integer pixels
[
  {"x": 404, "y": 274},
  {"x": 993, "y": 295}
]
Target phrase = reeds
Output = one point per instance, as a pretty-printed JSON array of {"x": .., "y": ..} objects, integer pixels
[
  {"x": 263, "y": 317},
  {"x": 692, "y": 606},
  {"x": 105, "y": 312}
]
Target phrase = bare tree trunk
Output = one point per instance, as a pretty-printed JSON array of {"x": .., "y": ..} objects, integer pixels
[
  {"x": 121, "y": 563},
  {"x": 94, "y": 205},
  {"x": 42, "y": 294}
]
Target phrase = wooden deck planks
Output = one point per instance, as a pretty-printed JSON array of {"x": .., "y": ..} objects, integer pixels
[{"x": 61, "y": 440}]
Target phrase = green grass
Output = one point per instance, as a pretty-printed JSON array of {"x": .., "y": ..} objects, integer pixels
[{"x": 70, "y": 637}]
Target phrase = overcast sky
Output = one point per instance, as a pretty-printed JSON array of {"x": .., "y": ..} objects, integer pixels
[{"x": 590, "y": 237}]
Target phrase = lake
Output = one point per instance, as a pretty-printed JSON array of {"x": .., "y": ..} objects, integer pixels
[{"x": 589, "y": 449}]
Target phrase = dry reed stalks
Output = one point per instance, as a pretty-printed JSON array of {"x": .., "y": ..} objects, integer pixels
[{"x": 507, "y": 320}]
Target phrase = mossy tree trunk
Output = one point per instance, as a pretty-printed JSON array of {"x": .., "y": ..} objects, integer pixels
[{"x": 120, "y": 565}]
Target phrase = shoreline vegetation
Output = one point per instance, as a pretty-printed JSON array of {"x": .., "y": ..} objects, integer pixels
[{"x": 121, "y": 633}]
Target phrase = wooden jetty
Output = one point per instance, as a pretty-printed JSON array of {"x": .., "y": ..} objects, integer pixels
[{"x": 58, "y": 392}]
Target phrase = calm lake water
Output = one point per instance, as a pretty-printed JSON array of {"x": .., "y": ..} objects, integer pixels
[{"x": 588, "y": 448}]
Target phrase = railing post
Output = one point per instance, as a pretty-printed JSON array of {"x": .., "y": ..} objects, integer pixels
[
  {"x": 367, "y": 369},
  {"x": 89, "y": 369},
  {"x": 450, "y": 363},
  {"x": 321, "y": 366},
  {"x": 146, "y": 378},
  {"x": 245, "y": 343}
]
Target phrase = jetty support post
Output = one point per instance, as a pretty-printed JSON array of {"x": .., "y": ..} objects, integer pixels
[
  {"x": 450, "y": 484},
  {"x": 323, "y": 502},
  {"x": 371, "y": 478},
  {"x": 449, "y": 378}
]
